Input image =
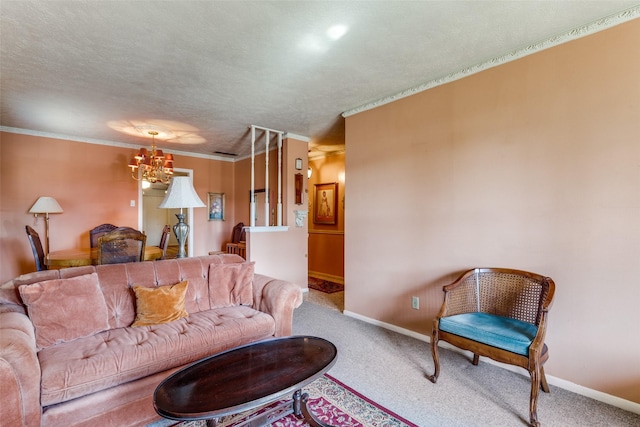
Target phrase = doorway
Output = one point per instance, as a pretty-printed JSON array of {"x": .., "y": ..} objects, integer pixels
[
  {"x": 260, "y": 216},
  {"x": 153, "y": 219}
]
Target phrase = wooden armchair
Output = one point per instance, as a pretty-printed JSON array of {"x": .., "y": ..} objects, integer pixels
[
  {"x": 121, "y": 245},
  {"x": 237, "y": 245},
  {"x": 498, "y": 313}
]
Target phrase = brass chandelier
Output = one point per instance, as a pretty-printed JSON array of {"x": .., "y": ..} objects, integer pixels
[{"x": 155, "y": 166}]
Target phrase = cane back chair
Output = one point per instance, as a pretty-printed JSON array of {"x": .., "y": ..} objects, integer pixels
[
  {"x": 501, "y": 314},
  {"x": 121, "y": 245},
  {"x": 100, "y": 230}
]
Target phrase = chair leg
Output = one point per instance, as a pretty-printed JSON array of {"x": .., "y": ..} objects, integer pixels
[
  {"x": 543, "y": 380},
  {"x": 535, "y": 390},
  {"x": 476, "y": 359},
  {"x": 436, "y": 360}
]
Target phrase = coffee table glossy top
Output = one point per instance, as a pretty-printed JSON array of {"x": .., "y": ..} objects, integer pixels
[{"x": 243, "y": 378}]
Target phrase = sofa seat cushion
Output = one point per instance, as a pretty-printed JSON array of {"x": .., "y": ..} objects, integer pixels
[
  {"x": 497, "y": 331},
  {"x": 116, "y": 356}
]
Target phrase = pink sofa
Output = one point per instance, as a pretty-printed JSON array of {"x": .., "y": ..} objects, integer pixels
[{"x": 69, "y": 373}]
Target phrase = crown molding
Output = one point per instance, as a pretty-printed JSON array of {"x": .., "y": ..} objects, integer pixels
[
  {"x": 297, "y": 137},
  {"x": 109, "y": 143},
  {"x": 585, "y": 30},
  {"x": 135, "y": 147}
]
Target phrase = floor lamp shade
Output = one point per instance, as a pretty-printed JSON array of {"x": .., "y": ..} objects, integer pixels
[
  {"x": 46, "y": 205},
  {"x": 181, "y": 194}
]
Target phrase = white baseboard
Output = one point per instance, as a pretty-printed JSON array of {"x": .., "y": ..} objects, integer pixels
[{"x": 618, "y": 402}]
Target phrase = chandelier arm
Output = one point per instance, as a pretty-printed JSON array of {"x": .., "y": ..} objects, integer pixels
[{"x": 151, "y": 166}]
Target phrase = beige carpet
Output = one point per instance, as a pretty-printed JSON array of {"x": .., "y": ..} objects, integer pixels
[
  {"x": 390, "y": 369},
  {"x": 334, "y": 301}
]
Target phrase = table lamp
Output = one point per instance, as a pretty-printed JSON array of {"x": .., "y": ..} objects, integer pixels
[
  {"x": 46, "y": 205},
  {"x": 181, "y": 194}
]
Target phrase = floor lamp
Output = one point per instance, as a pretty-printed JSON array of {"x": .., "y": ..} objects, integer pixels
[
  {"x": 181, "y": 194},
  {"x": 45, "y": 205}
]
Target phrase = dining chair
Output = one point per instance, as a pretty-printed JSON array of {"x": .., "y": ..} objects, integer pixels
[
  {"x": 164, "y": 240},
  {"x": 237, "y": 245},
  {"x": 36, "y": 248},
  {"x": 98, "y": 231},
  {"x": 124, "y": 244},
  {"x": 238, "y": 234}
]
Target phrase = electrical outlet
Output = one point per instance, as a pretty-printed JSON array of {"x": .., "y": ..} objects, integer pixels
[{"x": 415, "y": 303}]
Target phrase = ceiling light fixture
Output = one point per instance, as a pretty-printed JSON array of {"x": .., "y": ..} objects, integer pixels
[
  {"x": 337, "y": 31},
  {"x": 155, "y": 166}
]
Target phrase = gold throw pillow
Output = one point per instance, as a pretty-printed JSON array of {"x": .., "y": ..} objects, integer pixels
[{"x": 163, "y": 304}]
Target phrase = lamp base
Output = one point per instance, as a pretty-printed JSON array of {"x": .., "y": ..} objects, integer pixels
[{"x": 181, "y": 230}]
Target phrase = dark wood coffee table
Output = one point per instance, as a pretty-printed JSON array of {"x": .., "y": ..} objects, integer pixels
[{"x": 245, "y": 378}]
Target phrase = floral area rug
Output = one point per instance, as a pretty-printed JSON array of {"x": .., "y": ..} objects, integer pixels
[
  {"x": 331, "y": 402},
  {"x": 325, "y": 285}
]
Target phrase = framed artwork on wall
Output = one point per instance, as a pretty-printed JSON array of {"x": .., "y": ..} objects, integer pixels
[
  {"x": 298, "y": 188},
  {"x": 326, "y": 202},
  {"x": 215, "y": 203}
]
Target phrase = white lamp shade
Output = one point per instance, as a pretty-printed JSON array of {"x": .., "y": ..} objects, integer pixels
[
  {"x": 46, "y": 205},
  {"x": 181, "y": 194}
]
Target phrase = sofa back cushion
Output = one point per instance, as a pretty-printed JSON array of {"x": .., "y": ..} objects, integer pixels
[
  {"x": 117, "y": 281},
  {"x": 62, "y": 310},
  {"x": 231, "y": 284},
  {"x": 196, "y": 271}
]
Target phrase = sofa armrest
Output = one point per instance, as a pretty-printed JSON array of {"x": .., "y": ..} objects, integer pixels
[
  {"x": 278, "y": 298},
  {"x": 19, "y": 371}
]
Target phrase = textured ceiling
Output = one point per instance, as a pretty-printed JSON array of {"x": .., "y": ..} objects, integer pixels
[{"x": 201, "y": 72}]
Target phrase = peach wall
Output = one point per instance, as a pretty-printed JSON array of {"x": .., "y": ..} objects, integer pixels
[
  {"x": 93, "y": 185},
  {"x": 531, "y": 165},
  {"x": 326, "y": 242}
]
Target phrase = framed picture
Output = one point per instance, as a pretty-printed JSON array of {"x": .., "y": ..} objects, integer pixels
[
  {"x": 326, "y": 202},
  {"x": 216, "y": 206}
]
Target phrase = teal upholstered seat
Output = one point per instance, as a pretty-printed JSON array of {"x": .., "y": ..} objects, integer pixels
[{"x": 497, "y": 331}]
